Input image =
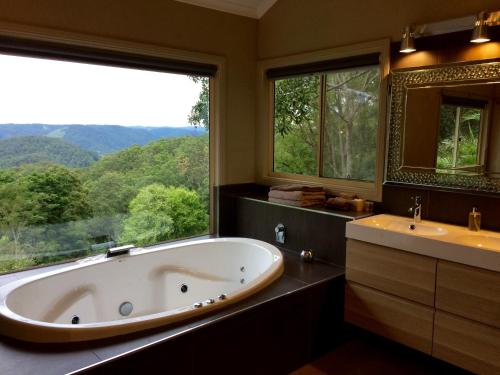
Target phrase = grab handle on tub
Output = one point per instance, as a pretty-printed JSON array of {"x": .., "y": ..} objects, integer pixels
[{"x": 120, "y": 250}]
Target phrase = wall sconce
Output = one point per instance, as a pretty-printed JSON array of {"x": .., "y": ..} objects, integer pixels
[
  {"x": 407, "y": 41},
  {"x": 479, "y": 25},
  {"x": 480, "y": 30}
]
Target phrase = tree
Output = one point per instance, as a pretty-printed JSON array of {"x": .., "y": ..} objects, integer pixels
[
  {"x": 58, "y": 191},
  {"x": 18, "y": 209},
  {"x": 296, "y": 124},
  {"x": 351, "y": 119},
  {"x": 159, "y": 213},
  {"x": 200, "y": 112}
]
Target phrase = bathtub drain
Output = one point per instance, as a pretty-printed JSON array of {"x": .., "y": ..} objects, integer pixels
[
  {"x": 184, "y": 288},
  {"x": 125, "y": 308}
]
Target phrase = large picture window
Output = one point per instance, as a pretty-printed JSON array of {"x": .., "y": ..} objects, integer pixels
[{"x": 99, "y": 155}]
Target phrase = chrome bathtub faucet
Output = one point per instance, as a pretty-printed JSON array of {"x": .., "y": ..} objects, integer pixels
[{"x": 120, "y": 250}]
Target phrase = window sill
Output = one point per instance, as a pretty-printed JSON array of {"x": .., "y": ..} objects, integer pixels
[{"x": 350, "y": 215}]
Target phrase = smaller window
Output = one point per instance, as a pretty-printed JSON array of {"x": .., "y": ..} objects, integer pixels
[{"x": 325, "y": 123}]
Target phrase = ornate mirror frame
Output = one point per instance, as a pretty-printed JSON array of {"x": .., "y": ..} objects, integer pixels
[{"x": 453, "y": 74}]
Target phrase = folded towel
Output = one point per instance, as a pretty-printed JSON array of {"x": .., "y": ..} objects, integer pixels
[
  {"x": 296, "y": 195},
  {"x": 294, "y": 187},
  {"x": 302, "y": 203}
]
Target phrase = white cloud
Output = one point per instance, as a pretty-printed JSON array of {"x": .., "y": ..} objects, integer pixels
[{"x": 56, "y": 92}]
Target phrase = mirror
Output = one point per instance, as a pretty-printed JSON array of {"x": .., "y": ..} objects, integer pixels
[
  {"x": 453, "y": 129},
  {"x": 445, "y": 126}
]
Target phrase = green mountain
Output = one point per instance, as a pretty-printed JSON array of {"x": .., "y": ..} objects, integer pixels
[
  {"x": 102, "y": 139},
  {"x": 34, "y": 149}
]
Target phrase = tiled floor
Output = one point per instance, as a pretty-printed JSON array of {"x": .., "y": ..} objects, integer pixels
[{"x": 365, "y": 354}]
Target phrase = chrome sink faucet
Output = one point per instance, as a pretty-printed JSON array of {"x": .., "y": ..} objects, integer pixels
[{"x": 416, "y": 209}]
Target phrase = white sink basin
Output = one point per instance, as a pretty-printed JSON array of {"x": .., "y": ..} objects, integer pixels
[
  {"x": 406, "y": 225},
  {"x": 418, "y": 228},
  {"x": 442, "y": 241}
]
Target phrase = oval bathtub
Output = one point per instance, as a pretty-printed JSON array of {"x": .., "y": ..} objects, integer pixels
[{"x": 105, "y": 297}]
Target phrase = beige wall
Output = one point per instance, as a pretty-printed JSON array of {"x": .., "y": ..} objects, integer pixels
[
  {"x": 175, "y": 25},
  {"x": 295, "y": 26}
]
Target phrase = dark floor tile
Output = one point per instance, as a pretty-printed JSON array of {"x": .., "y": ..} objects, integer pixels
[{"x": 366, "y": 354}]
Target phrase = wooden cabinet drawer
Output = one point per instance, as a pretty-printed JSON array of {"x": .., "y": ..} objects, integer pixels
[
  {"x": 470, "y": 292},
  {"x": 397, "y": 319},
  {"x": 401, "y": 273},
  {"x": 470, "y": 345}
]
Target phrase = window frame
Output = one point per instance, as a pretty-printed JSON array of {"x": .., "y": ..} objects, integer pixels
[
  {"x": 265, "y": 125},
  {"x": 217, "y": 87}
]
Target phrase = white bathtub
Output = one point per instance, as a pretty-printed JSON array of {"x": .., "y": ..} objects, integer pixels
[{"x": 82, "y": 302}]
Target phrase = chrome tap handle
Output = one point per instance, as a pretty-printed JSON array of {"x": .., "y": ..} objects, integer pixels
[{"x": 280, "y": 233}]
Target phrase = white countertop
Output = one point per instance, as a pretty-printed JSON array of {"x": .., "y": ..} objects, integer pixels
[{"x": 441, "y": 241}]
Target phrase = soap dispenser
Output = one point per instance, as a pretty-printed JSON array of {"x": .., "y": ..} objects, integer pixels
[{"x": 474, "y": 220}]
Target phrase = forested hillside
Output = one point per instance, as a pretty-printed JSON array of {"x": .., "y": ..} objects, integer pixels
[
  {"x": 25, "y": 150},
  {"x": 143, "y": 194},
  {"x": 102, "y": 139}
]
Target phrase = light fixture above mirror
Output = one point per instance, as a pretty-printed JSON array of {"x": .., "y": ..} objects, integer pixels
[
  {"x": 407, "y": 42},
  {"x": 480, "y": 30},
  {"x": 479, "y": 25}
]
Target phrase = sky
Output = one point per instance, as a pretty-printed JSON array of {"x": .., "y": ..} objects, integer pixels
[{"x": 56, "y": 92}]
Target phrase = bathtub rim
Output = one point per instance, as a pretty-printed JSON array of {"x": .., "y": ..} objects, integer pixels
[{"x": 26, "y": 329}]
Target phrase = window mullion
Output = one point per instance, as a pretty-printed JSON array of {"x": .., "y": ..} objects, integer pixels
[{"x": 322, "y": 111}]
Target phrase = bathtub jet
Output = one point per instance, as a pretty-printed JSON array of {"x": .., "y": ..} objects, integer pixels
[{"x": 146, "y": 288}]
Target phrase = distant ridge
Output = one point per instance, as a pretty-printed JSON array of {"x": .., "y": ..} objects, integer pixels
[
  {"x": 101, "y": 139},
  {"x": 17, "y": 151}
]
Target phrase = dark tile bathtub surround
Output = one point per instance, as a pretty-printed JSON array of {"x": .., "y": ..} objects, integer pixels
[
  {"x": 245, "y": 212},
  {"x": 294, "y": 320}
]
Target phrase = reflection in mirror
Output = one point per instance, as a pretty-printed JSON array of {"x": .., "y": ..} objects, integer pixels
[{"x": 453, "y": 129}]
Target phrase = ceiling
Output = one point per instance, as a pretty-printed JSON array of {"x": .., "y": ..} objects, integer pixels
[{"x": 247, "y": 8}]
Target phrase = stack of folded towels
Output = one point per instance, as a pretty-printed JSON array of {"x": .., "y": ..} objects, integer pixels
[{"x": 297, "y": 195}]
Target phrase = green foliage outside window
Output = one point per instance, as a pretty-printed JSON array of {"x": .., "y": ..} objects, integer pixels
[
  {"x": 458, "y": 142},
  {"x": 141, "y": 195},
  {"x": 296, "y": 125},
  {"x": 348, "y": 128}
]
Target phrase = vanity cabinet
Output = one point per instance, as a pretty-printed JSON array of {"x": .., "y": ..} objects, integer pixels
[
  {"x": 469, "y": 292},
  {"x": 391, "y": 293},
  {"x": 396, "y": 272},
  {"x": 466, "y": 343},
  {"x": 446, "y": 309},
  {"x": 395, "y": 318}
]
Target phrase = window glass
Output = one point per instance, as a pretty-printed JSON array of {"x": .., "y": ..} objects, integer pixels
[
  {"x": 94, "y": 156},
  {"x": 296, "y": 124},
  {"x": 326, "y": 124},
  {"x": 351, "y": 120}
]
